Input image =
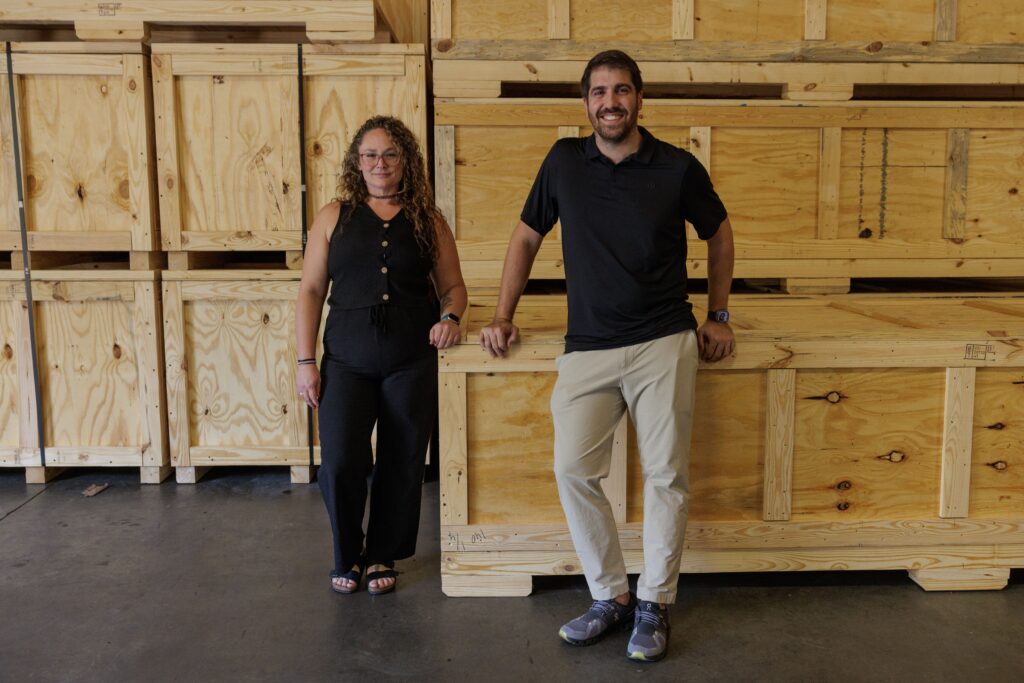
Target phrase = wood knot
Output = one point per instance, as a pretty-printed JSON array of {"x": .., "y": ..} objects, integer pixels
[
  {"x": 117, "y": 351},
  {"x": 266, "y": 318},
  {"x": 865, "y": 234},
  {"x": 80, "y": 191},
  {"x": 218, "y": 80},
  {"x": 875, "y": 46},
  {"x": 894, "y": 456},
  {"x": 1014, "y": 190},
  {"x": 834, "y": 397},
  {"x": 317, "y": 149},
  {"x": 997, "y": 426},
  {"x": 131, "y": 85},
  {"x": 844, "y": 485},
  {"x": 998, "y": 465},
  {"x": 30, "y": 184},
  {"x": 570, "y": 568},
  {"x": 103, "y": 89},
  {"x": 206, "y": 411},
  {"x": 8, "y": 352},
  {"x": 284, "y": 187},
  {"x": 957, "y": 240},
  {"x": 695, "y": 142},
  {"x": 810, "y": 86},
  {"x": 444, "y": 45},
  {"x": 531, "y": 68},
  {"x": 843, "y": 507},
  {"x": 284, "y": 409},
  {"x": 124, "y": 189},
  {"x": 169, "y": 183}
]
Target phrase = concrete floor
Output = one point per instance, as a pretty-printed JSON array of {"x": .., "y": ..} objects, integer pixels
[{"x": 227, "y": 580}]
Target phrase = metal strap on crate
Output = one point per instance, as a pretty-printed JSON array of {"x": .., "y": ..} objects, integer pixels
[
  {"x": 302, "y": 202},
  {"x": 25, "y": 259}
]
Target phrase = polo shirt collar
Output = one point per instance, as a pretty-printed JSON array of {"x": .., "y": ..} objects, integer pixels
[{"x": 643, "y": 155}]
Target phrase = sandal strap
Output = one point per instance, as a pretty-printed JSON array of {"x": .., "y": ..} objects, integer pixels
[{"x": 385, "y": 574}]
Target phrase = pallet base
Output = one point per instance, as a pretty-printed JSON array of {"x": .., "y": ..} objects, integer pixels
[
  {"x": 148, "y": 474},
  {"x": 470, "y": 586},
  {"x": 961, "y": 579},
  {"x": 42, "y": 475},
  {"x": 300, "y": 474}
]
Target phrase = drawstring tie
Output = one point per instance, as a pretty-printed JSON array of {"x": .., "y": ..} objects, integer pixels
[{"x": 378, "y": 317}]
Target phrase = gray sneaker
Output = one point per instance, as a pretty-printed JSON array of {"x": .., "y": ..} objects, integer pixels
[
  {"x": 592, "y": 626},
  {"x": 649, "y": 640}
]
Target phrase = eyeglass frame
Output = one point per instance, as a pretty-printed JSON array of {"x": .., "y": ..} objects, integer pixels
[{"x": 380, "y": 157}]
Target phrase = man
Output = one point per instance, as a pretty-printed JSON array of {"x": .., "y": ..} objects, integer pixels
[{"x": 632, "y": 342}]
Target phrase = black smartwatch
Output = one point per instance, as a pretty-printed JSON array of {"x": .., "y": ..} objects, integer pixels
[
  {"x": 450, "y": 316},
  {"x": 719, "y": 316}
]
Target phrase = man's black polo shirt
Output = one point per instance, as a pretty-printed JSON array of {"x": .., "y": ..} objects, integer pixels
[{"x": 623, "y": 236}]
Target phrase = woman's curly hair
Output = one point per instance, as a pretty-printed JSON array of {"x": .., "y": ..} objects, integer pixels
[{"x": 415, "y": 193}]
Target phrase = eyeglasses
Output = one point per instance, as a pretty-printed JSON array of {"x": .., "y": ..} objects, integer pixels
[{"x": 371, "y": 158}]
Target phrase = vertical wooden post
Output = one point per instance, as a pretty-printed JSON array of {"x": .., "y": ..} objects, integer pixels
[
  {"x": 558, "y": 19},
  {"x": 778, "y": 444},
  {"x": 152, "y": 391},
  {"x": 682, "y": 19},
  {"x": 815, "y": 19},
  {"x": 454, "y": 449},
  {"x": 444, "y": 173},
  {"x": 441, "y": 19},
  {"x": 165, "y": 129},
  {"x": 828, "y": 183},
  {"x": 945, "y": 20},
  {"x": 957, "y": 434},
  {"x": 141, "y": 174},
  {"x": 615, "y": 485},
  {"x": 954, "y": 214}
]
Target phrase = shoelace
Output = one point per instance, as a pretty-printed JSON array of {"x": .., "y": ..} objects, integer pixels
[
  {"x": 604, "y": 607},
  {"x": 652, "y": 617}
]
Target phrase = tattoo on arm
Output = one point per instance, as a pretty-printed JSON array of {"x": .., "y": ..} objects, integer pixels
[{"x": 445, "y": 301}]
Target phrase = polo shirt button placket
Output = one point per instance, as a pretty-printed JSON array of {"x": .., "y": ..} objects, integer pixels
[{"x": 384, "y": 260}]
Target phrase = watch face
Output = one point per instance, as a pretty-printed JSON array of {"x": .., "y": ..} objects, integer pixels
[
  {"x": 719, "y": 316},
  {"x": 451, "y": 316}
]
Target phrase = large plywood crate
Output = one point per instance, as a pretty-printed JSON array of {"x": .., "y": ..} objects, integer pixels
[
  {"x": 730, "y": 30},
  {"x": 85, "y": 125},
  {"x": 227, "y": 131},
  {"x": 855, "y": 432},
  {"x": 817, "y": 192},
  {"x": 230, "y": 362},
  {"x": 100, "y": 351},
  {"x": 322, "y": 20}
]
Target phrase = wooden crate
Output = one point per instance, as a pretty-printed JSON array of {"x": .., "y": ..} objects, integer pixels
[
  {"x": 227, "y": 134},
  {"x": 100, "y": 354},
  {"x": 817, "y": 192},
  {"x": 85, "y": 123},
  {"x": 730, "y": 30},
  {"x": 323, "y": 20},
  {"x": 230, "y": 360},
  {"x": 854, "y": 432}
]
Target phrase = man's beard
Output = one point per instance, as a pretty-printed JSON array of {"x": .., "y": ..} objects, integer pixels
[{"x": 628, "y": 125}]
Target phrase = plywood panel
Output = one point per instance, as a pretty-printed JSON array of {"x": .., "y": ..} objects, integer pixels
[
  {"x": 237, "y": 153},
  {"x": 997, "y": 467},
  {"x": 995, "y": 185},
  {"x": 748, "y": 20},
  {"x": 881, "y": 20},
  {"x": 989, "y": 21},
  {"x": 500, "y": 20},
  {"x": 621, "y": 20},
  {"x": 241, "y": 373},
  {"x": 494, "y": 170},
  {"x": 74, "y": 133},
  {"x": 9, "y": 347},
  {"x": 868, "y": 444},
  {"x": 89, "y": 372},
  {"x": 9, "y": 194},
  {"x": 768, "y": 179},
  {"x": 892, "y": 184},
  {"x": 673, "y": 135},
  {"x": 511, "y": 458},
  {"x": 725, "y": 473}
]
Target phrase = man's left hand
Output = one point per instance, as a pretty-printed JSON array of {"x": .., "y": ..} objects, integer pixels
[{"x": 715, "y": 341}]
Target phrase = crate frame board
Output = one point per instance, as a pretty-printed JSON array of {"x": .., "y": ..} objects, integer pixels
[
  {"x": 322, "y": 20},
  {"x": 191, "y": 461},
  {"x": 404, "y": 65},
  {"x": 946, "y": 550},
  {"x": 809, "y": 41},
  {"x": 135, "y": 116},
  {"x": 820, "y": 262},
  {"x": 139, "y": 293}
]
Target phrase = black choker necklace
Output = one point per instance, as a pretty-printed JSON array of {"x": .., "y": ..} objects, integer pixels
[{"x": 385, "y": 196}]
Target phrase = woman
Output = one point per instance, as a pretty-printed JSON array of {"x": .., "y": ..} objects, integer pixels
[{"x": 396, "y": 296}]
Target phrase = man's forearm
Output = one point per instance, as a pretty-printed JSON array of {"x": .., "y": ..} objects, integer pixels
[
  {"x": 518, "y": 264},
  {"x": 721, "y": 255}
]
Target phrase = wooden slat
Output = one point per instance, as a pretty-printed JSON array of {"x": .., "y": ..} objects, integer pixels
[
  {"x": 476, "y": 586},
  {"x": 441, "y": 19},
  {"x": 779, "y": 439},
  {"x": 961, "y": 579},
  {"x": 616, "y": 485},
  {"x": 700, "y": 145},
  {"x": 444, "y": 173},
  {"x": 954, "y": 215},
  {"x": 454, "y": 450},
  {"x": 945, "y": 20},
  {"x": 815, "y": 19},
  {"x": 682, "y": 19},
  {"x": 165, "y": 126},
  {"x": 149, "y": 353},
  {"x": 141, "y": 174},
  {"x": 558, "y": 19},
  {"x": 252, "y": 64},
  {"x": 71, "y": 240},
  {"x": 94, "y": 456},
  {"x": 60, "y": 65},
  {"x": 829, "y": 173},
  {"x": 176, "y": 374},
  {"x": 240, "y": 240},
  {"x": 249, "y": 455},
  {"x": 28, "y": 425},
  {"x": 958, "y": 426},
  {"x": 111, "y": 30}
]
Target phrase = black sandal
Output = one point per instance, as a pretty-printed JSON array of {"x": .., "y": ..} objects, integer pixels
[
  {"x": 355, "y": 573},
  {"x": 388, "y": 573}
]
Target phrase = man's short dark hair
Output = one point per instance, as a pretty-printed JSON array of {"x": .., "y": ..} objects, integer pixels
[{"x": 611, "y": 59}]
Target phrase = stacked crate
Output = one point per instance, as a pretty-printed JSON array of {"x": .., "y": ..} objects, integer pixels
[
  {"x": 85, "y": 133},
  {"x": 231, "y": 193},
  {"x": 831, "y": 133}
]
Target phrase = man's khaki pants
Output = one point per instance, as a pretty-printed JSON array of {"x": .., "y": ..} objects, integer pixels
[{"x": 655, "y": 382}]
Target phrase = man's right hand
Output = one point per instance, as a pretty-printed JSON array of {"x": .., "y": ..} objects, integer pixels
[{"x": 496, "y": 337}]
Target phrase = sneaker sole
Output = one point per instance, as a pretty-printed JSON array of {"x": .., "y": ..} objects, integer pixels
[
  {"x": 625, "y": 624},
  {"x": 641, "y": 657}
]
